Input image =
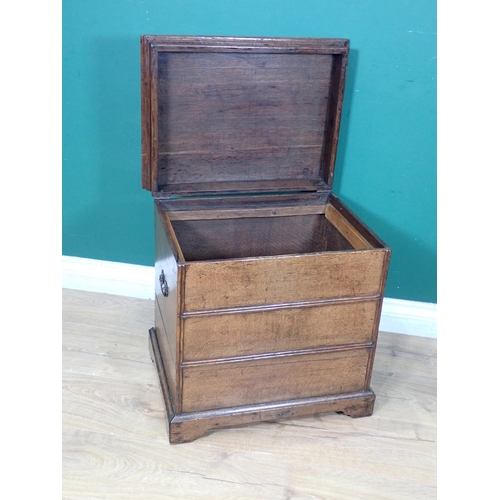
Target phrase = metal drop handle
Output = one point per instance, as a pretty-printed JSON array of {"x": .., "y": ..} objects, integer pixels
[{"x": 163, "y": 284}]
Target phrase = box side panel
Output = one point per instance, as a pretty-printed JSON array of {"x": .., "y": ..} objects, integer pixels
[
  {"x": 241, "y": 333},
  {"x": 146, "y": 113},
  {"x": 223, "y": 385},
  {"x": 283, "y": 279},
  {"x": 166, "y": 306},
  {"x": 166, "y": 356},
  {"x": 355, "y": 222},
  {"x": 332, "y": 122},
  {"x": 376, "y": 323}
]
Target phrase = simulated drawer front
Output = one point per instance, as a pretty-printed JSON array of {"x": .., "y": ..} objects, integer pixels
[
  {"x": 214, "y": 336},
  {"x": 283, "y": 279},
  {"x": 222, "y": 385}
]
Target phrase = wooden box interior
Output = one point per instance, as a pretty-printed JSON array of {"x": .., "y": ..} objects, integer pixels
[
  {"x": 257, "y": 237},
  {"x": 215, "y": 234}
]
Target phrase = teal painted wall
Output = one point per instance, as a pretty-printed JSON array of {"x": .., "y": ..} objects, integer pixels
[{"x": 386, "y": 165}]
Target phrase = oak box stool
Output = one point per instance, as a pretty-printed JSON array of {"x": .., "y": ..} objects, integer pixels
[{"x": 268, "y": 289}]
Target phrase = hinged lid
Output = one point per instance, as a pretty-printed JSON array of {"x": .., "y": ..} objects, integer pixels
[{"x": 230, "y": 115}]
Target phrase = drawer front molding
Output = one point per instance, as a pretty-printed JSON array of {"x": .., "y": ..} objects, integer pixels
[
  {"x": 222, "y": 385},
  {"x": 273, "y": 280},
  {"x": 243, "y": 333}
]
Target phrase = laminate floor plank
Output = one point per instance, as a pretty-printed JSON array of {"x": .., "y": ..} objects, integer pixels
[
  {"x": 109, "y": 342},
  {"x": 115, "y": 442},
  {"x": 121, "y": 407},
  {"x": 124, "y": 314},
  {"x": 399, "y": 459},
  {"x": 125, "y": 467},
  {"x": 406, "y": 364},
  {"x": 108, "y": 367},
  {"x": 122, "y": 459}
]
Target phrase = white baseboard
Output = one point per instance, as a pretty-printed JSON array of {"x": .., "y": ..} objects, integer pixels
[
  {"x": 398, "y": 316},
  {"x": 409, "y": 317},
  {"x": 108, "y": 277}
]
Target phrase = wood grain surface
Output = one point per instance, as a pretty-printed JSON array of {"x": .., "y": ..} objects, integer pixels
[
  {"x": 282, "y": 279},
  {"x": 235, "y": 117},
  {"x": 115, "y": 443},
  {"x": 147, "y": 182},
  {"x": 242, "y": 333},
  {"x": 257, "y": 236},
  {"x": 166, "y": 321},
  {"x": 245, "y": 382},
  {"x": 247, "y": 204},
  {"x": 220, "y": 112},
  {"x": 341, "y": 224}
]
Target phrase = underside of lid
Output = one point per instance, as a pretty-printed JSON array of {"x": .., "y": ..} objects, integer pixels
[{"x": 229, "y": 115}]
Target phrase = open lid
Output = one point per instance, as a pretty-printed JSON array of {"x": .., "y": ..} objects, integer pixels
[{"x": 231, "y": 115}]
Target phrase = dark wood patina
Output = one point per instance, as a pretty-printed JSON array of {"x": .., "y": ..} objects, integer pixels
[{"x": 268, "y": 289}]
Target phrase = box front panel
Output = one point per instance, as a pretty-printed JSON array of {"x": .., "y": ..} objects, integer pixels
[
  {"x": 239, "y": 333},
  {"x": 283, "y": 279},
  {"x": 222, "y": 385}
]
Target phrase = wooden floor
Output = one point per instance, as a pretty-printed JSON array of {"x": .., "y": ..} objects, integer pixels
[{"x": 115, "y": 442}]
